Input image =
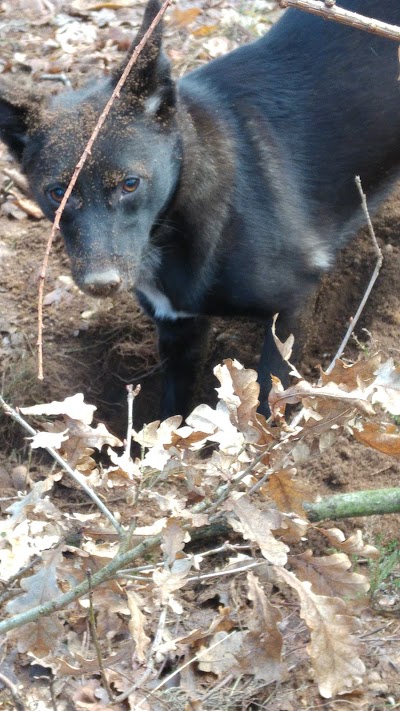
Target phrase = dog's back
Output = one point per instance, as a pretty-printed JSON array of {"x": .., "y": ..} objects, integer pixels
[{"x": 329, "y": 96}]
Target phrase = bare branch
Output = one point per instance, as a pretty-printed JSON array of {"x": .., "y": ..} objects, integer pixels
[
  {"x": 75, "y": 475},
  {"x": 372, "y": 281},
  {"x": 329, "y": 11},
  {"x": 106, "y": 573}
]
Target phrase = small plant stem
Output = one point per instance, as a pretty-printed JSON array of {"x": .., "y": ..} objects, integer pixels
[
  {"x": 131, "y": 395},
  {"x": 95, "y": 639},
  {"x": 372, "y": 280}
]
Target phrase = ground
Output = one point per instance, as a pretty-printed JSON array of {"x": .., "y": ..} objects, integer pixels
[{"x": 97, "y": 347}]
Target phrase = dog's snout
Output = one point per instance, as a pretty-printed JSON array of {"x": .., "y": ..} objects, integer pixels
[{"x": 102, "y": 283}]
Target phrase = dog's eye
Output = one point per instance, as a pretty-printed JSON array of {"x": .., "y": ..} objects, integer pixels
[
  {"x": 130, "y": 185},
  {"x": 56, "y": 194}
]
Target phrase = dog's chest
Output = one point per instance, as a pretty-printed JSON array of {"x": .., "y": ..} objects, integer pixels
[{"x": 161, "y": 304}]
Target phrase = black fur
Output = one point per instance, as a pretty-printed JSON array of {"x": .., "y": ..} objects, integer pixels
[{"x": 246, "y": 171}]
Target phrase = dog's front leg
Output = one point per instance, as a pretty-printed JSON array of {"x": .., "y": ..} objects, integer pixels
[{"x": 181, "y": 345}]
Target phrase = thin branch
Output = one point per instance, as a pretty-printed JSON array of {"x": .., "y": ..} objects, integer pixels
[
  {"x": 224, "y": 490},
  {"x": 106, "y": 573},
  {"x": 131, "y": 395},
  {"x": 95, "y": 639},
  {"x": 73, "y": 473},
  {"x": 19, "y": 705},
  {"x": 177, "y": 671},
  {"x": 297, "y": 419},
  {"x": 82, "y": 160},
  {"x": 372, "y": 281},
  {"x": 329, "y": 11}
]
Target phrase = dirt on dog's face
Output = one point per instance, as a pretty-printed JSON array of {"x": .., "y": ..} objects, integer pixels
[{"x": 125, "y": 184}]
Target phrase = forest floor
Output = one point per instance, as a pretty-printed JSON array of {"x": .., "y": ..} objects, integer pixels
[{"x": 96, "y": 347}]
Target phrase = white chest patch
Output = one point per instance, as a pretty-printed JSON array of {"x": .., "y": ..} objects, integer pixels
[{"x": 161, "y": 304}]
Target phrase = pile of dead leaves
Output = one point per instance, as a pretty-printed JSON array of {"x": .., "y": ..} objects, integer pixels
[{"x": 196, "y": 578}]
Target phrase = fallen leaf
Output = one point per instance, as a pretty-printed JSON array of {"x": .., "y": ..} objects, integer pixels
[
  {"x": 256, "y": 525},
  {"x": 182, "y": 18},
  {"x": 136, "y": 625},
  {"x": 330, "y": 575},
  {"x": 174, "y": 539},
  {"x": 287, "y": 492},
  {"x": 353, "y": 545},
  {"x": 334, "y": 652},
  {"x": 378, "y": 435},
  {"x": 73, "y": 406},
  {"x": 261, "y": 653}
]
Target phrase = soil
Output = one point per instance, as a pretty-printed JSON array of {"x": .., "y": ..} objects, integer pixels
[{"x": 97, "y": 347}]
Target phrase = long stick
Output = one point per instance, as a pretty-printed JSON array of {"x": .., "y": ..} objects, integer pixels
[{"x": 329, "y": 11}]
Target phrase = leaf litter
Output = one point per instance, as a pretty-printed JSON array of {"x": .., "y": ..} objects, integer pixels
[{"x": 146, "y": 614}]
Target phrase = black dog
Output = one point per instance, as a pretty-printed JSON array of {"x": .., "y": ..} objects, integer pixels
[{"x": 227, "y": 193}]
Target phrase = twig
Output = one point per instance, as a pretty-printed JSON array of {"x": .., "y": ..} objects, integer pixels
[
  {"x": 95, "y": 639},
  {"x": 86, "y": 153},
  {"x": 73, "y": 473},
  {"x": 166, "y": 679},
  {"x": 132, "y": 394},
  {"x": 329, "y": 11},
  {"x": 19, "y": 705},
  {"x": 224, "y": 490},
  {"x": 372, "y": 281},
  {"x": 368, "y": 290},
  {"x": 106, "y": 573},
  {"x": 231, "y": 571}
]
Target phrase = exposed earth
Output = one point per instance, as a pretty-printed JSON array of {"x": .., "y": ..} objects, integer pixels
[{"x": 96, "y": 347}]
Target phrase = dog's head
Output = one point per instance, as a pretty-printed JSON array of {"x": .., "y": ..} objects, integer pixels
[{"x": 130, "y": 173}]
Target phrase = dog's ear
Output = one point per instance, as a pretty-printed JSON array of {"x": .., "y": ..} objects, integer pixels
[
  {"x": 149, "y": 83},
  {"x": 17, "y": 109}
]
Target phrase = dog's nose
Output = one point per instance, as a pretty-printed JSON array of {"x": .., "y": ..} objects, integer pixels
[{"x": 101, "y": 283}]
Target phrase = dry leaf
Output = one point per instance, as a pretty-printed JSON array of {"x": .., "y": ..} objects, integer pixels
[
  {"x": 378, "y": 435},
  {"x": 262, "y": 646},
  {"x": 48, "y": 439},
  {"x": 222, "y": 658},
  {"x": 329, "y": 575},
  {"x": 353, "y": 545},
  {"x": 239, "y": 390},
  {"x": 28, "y": 206},
  {"x": 136, "y": 625},
  {"x": 333, "y": 651},
  {"x": 157, "y": 437},
  {"x": 171, "y": 579},
  {"x": 73, "y": 406},
  {"x": 285, "y": 349},
  {"x": 182, "y": 18},
  {"x": 356, "y": 398},
  {"x": 256, "y": 525},
  {"x": 205, "y": 30},
  {"x": 288, "y": 493},
  {"x": 386, "y": 387},
  {"x": 174, "y": 539},
  {"x": 351, "y": 376}
]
